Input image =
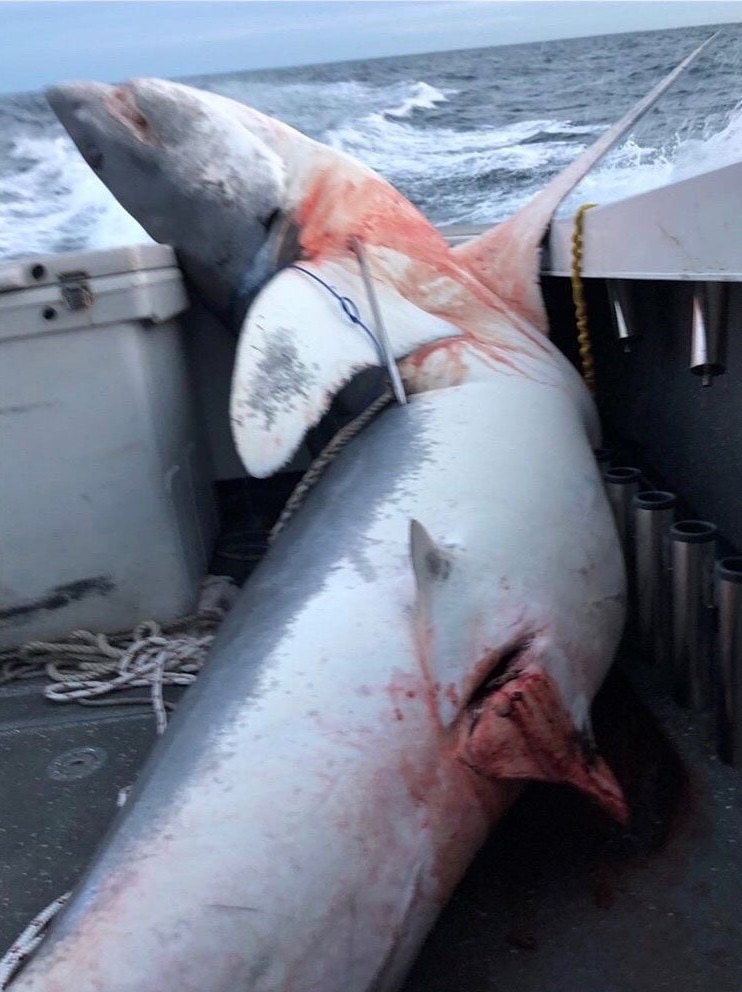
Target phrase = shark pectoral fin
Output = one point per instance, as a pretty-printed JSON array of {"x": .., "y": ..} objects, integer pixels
[
  {"x": 430, "y": 562},
  {"x": 307, "y": 334},
  {"x": 523, "y": 731},
  {"x": 298, "y": 347}
]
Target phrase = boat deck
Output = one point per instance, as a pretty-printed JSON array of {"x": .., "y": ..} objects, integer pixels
[{"x": 558, "y": 900}]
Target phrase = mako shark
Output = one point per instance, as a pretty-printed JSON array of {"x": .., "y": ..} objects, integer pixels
[{"x": 425, "y": 634}]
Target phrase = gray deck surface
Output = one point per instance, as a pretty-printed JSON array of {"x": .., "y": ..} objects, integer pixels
[
  {"x": 559, "y": 899},
  {"x": 559, "y": 902}
]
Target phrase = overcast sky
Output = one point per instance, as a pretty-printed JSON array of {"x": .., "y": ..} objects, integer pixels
[{"x": 45, "y": 42}]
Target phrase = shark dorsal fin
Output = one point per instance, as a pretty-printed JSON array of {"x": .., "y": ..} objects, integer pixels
[{"x": 507, "y": 258}]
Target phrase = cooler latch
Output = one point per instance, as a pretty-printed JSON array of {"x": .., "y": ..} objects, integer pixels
[{"x": 76, "y": 291}]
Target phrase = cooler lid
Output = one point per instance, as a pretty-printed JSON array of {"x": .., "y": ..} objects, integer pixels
[{"x": 41, "y": 270}]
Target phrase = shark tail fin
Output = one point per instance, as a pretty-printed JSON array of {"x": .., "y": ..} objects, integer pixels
[{"x": 507, "y": 258}]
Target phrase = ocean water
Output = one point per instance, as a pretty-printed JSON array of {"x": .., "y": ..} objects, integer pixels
[{"x": 468, "y": 136}]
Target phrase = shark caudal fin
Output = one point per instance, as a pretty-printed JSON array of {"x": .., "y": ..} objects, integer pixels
[{"x": 507, "y": 258}]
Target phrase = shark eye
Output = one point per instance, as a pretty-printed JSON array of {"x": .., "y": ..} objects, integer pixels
[{"x": 268, "y": 221}]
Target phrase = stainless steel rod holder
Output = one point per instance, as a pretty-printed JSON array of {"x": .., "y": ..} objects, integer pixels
[
  {"x": 621, "y": 485},
  {"x": 654, "y": 513},
  {"x": 622, "y": 308},
  {"x": 728, "y": 578},
  {"x": 709, "y": 323},
  {"x": 693, "y": 547}
]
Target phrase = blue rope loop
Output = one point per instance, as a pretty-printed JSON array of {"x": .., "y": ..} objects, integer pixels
[{"x": 348, "y": 307}]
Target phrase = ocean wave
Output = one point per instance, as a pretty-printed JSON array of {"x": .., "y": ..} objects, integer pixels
[
  {"x": 634, "y": 168},
  {"x": 396, "y": 148},
  {"x": 465, "y": 176},
  {"x": 54, "y": 202},
  {"x": 713, "y": 151},
  {"x": 321, "y": 106},
  {"x": 297, "y": 103},
  {"x": 423, "y": 97}
]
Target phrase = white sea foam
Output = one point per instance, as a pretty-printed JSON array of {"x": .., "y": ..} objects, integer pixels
[
  {"x": 54, "y": 202},
  {"x": 714, "y": 151},
  {"x": 634, "y": 168},
  {"x": 395, "y": 148},
  {"x": 423, "y": 97}
]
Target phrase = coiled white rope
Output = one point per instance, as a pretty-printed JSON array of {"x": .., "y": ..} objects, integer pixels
[
  {"x": 27, "y": 942},
  {"x": 85, "y": 667}
]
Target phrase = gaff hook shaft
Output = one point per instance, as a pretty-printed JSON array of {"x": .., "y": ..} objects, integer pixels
[{"x": 381, "y": 333}]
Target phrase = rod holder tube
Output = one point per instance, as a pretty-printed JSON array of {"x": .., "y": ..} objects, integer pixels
[
  {"x": 728, "y": 580},
  {"x": 654, "y": 513},
  {"x": 622, "y": 484},
  {"x": 693, "y": 544},
  {"x": 625, "y": 321},
  {"x": 709, "y": 321}
]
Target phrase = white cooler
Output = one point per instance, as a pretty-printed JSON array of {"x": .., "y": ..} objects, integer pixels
[{"x": 107, "y": 514}]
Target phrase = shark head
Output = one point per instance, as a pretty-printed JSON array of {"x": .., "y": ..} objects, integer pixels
[{"x": 177, "y": 163}]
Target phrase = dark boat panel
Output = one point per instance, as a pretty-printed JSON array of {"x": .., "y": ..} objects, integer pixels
[{"x": 656, "y": 413}]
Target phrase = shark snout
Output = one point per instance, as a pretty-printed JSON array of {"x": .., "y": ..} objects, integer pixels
[
  {"x": 81, "y": 110},
  {"x": 67, "y": 100}
]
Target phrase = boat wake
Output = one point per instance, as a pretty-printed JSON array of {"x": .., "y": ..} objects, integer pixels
[{"x": 420, "y": 134}]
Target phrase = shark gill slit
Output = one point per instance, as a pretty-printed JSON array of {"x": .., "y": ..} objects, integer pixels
[{"x": 503, "y": 667}]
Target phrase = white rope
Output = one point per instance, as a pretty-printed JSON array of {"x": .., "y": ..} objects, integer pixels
[
  {"x": 29, "y": 940},
  {"x": 328, "y": 455},
  {"x": 85, "y": 667}
]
